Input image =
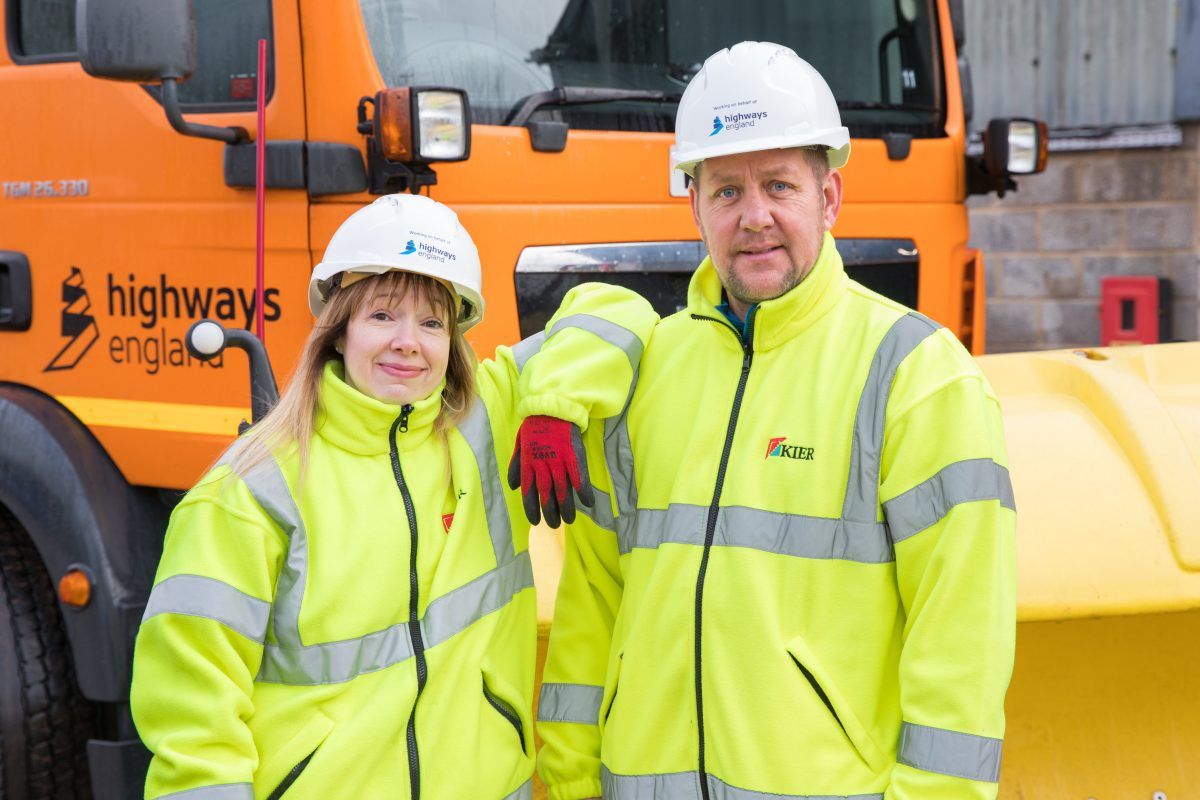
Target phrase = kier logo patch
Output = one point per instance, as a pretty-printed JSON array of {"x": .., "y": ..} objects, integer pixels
[
  {"x": 778, "y": 447},
  {"x": 447, "y": 521}
]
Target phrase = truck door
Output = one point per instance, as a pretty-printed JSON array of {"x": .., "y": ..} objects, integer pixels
[{"x": 131, "y": 231}]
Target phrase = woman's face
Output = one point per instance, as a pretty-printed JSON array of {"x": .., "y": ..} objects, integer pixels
[{"x": 396, "y": 350}]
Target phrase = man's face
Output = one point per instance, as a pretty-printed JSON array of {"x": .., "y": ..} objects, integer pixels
[{"x": 763, "y": 217}]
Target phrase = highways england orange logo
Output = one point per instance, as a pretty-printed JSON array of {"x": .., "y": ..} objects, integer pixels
[{"x": 78, "y": 325}]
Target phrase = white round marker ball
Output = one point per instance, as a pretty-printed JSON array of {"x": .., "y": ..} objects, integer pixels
[{"x": 208, "y": 338}]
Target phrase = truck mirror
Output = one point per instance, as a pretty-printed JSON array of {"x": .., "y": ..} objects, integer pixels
[
  {"x": 1010, "y": 147},
  {"x": 1015, "y": 147},
  {"x": 136, "y": 40},
  {"x": 148, "y": 41}
]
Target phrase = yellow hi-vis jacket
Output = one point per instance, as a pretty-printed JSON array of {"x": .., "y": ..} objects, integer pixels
[
  {"x": 805, "y": 586},
  {"x": 369, "y": 632}
]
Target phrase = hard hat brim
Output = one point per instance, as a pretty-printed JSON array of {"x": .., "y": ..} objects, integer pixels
[
  {"x": 837, "y": 149},
  {"x": 470, "y": 302}
]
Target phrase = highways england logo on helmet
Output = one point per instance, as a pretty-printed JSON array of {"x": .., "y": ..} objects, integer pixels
[
  {"x": 735, "y": 117},
  {"x": 429, "y": 247}
]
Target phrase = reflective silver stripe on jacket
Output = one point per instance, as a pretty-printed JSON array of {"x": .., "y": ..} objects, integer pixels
[
  {"x": 476, "y": 428},
  {"x": 963, "y": 755},
  {"x": 768, "y": 531},
  {"x": 226, "y": 791},
  {"x": 618, "y": 455},
  {"x": 961, "y": 482},
  {"x": 611, "y": 332},
  {"x": 526, "y": 348},
  {"x": 461, "y": 608},
  {"x": 335, "y": 662},
  {"x": 601, "y": 513},
  {"x": 523, "y": 792},
  {"x": 570, "y": 702},
  {"x": 450, "y": 614},
  {"x": 686, "y": 786},
  {"x": 866, "y": 445},
  {"x": 270, "y": 490},
  {"x": 198, "y": 596}
]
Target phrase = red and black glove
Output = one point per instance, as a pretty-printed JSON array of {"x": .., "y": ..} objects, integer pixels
[{"x": 547, "y": 464}]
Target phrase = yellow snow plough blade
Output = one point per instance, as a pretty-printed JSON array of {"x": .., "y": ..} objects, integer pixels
[{"x": 1104, "y": 452}]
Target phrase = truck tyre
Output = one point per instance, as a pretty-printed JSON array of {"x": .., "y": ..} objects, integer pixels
[{"x": 44, "y": 722}]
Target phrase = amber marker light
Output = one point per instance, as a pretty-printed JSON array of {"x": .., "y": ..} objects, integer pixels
[
  {"x": 1043, "y": 146},
  {"x": 75, "y": 588},
  {"x": 394, "y": 118}
]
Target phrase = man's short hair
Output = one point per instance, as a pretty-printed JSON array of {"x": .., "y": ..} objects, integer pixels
[
  {"x": 816, "y": 155},
  {"x": 818, "y": 160}
]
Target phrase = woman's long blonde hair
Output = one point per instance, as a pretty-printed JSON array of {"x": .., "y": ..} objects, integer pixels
[{"x": 290, "y": 424}]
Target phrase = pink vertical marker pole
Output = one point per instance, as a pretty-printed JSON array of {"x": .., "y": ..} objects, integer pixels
[{"x": 260, "y": 183}]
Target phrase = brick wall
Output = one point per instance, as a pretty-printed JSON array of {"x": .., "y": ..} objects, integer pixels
[{"x": 1090, "y": 215}]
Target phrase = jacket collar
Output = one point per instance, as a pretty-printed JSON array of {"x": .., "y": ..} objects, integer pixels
[
  {"x": 790, "y": 315},
  {"x": 360, "y": 424}
]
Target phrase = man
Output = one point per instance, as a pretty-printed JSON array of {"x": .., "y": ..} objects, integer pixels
[{"x": 798, "y": 579}]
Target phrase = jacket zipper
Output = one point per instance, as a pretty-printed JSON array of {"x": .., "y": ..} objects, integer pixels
[
  {"x": 414, "y": 623},
  {"x": 747, "y": 344},
  {"x": 290, "y": 778}
]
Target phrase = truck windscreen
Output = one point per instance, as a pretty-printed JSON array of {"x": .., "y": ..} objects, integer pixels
[{"x": 880, "y": 56}]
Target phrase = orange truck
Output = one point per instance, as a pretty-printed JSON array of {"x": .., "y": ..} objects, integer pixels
[{"x": 127, "y": 213}]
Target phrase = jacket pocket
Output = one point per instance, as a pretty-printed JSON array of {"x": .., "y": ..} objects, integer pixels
[
  {"x": 607, "y": 703},
  {"x": 839, "y": 708},
  {"x": 283, "y": 768},
  {"x": 504, "y": 709}
]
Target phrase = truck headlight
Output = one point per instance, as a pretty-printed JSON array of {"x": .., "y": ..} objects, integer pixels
[
  {"x": 409, "y": 128},
  {"x": 420, "y": 125},
  {"x": 442, "y": 125}
]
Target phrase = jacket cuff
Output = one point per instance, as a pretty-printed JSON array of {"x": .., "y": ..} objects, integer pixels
[
  {"x": 553, "y": 406},
  {"x": 576, "y": 790}
]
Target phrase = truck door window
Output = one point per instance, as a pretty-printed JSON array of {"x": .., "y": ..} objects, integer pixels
[
  {"x": 501, "y": 51},
  {"x": 41, "y": 31},
  {"x": 227, "y": 34}
]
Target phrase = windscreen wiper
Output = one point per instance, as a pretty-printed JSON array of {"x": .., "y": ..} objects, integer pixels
[
  {"x": 859, "y": 105},
  {"x": 579, "y": 95}
]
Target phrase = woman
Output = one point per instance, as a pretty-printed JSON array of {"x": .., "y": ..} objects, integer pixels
[{"x": 344, "y": 607}]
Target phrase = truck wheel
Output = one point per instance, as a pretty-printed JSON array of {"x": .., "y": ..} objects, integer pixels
[{"x": 44, "y": 722}]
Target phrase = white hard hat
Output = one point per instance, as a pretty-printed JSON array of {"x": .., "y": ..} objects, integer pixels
[
  {"x": 406, "y": 232},
  {"x": 756, "y": 96}
]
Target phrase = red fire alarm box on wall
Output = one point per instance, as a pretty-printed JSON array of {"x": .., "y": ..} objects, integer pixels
[{"x": 1134, "y": 309}]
